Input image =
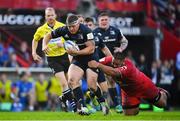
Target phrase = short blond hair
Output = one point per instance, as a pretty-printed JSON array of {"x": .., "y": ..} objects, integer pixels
[{"x": 50, "y": 9}]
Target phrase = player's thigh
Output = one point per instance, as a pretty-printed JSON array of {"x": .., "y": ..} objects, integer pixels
[
  {"x": 130, "y": 104},
  {"x": 91, "y": 78},
  {"x": 75, "y": 74}
]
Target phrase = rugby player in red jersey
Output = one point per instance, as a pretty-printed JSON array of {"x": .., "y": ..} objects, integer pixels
[{"x": 135, "y": 85}]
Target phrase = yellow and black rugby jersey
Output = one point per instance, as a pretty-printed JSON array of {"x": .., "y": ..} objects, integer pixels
[{"x": 54, "y": 49}]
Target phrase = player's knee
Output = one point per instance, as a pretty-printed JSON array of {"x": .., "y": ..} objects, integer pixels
[
  {"x": 73, "y": 82},
  {"x": 92, "y": 84}
]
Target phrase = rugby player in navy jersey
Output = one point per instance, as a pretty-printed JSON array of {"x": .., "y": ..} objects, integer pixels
[
  {"x": 89, "y": 22},
  {"x": 84, "y": 38},
  {"x": 116, "y": 42}
]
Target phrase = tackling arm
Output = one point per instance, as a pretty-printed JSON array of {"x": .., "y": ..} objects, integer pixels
[{"x": 109, "y": 70}]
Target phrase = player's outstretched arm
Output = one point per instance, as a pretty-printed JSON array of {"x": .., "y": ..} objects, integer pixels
[{"x": 106, "y": 69}]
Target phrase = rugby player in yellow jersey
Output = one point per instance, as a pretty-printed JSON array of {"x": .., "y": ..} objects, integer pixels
[{"x": 57, "y": 57}]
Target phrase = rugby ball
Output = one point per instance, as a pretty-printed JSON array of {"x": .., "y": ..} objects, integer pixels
[{"x": 70, "y": 45}]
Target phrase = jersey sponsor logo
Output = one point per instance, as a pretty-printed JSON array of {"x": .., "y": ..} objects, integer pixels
[
  {"x": 90, "y": 36},
  {"x": 56, "y": 40},
  {"x": 106, "y": 37},
  {"x": 109, "y": 40}
]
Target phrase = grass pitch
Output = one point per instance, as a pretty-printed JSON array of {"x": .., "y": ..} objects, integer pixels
[{"x": 63, "y": 116}]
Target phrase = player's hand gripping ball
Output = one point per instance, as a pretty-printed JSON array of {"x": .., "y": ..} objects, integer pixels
[{"x": 71, "y": 46}]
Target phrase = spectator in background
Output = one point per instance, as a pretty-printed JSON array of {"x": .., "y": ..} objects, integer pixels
[
  {"x": 178, "y": 63},
  {"x": 24, "y": 92},
  {"x": 41, "y": 92},
  {"x": 1, "y": 54},
  {"x": 5, "y": 88},
  {"x": 81, "y": 18},
  {"x": 155, "y": 73},
  {"x": 24, "y": 51},
  {"x": 130, "y": 56},
  {"x": 12, "y": 62},
  {"x": 142, "y": 65},
  {"x": 5, "y": 52}
]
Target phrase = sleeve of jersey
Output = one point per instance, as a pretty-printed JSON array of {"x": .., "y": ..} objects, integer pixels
[
  {"x": 106, "y": 60},
  {"x": 37, "y": 35},
  {"x": 89, "y": 34},
  {"x": 58, "y": 32}
]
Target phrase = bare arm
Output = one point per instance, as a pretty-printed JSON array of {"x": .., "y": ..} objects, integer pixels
[
  {"x": 36, "y": 57},
  {"x": 90, "y": 47},
  {"x": 109, "y": 70},
  {"x": 106, "y": 51},
  {"x": 106, "y": 69},
  {"x": 123, "y": 46},
  {"x": 124, "y": 43}
]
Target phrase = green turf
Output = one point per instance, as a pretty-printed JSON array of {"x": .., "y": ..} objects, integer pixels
[{"x": 97, "y": 116}]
